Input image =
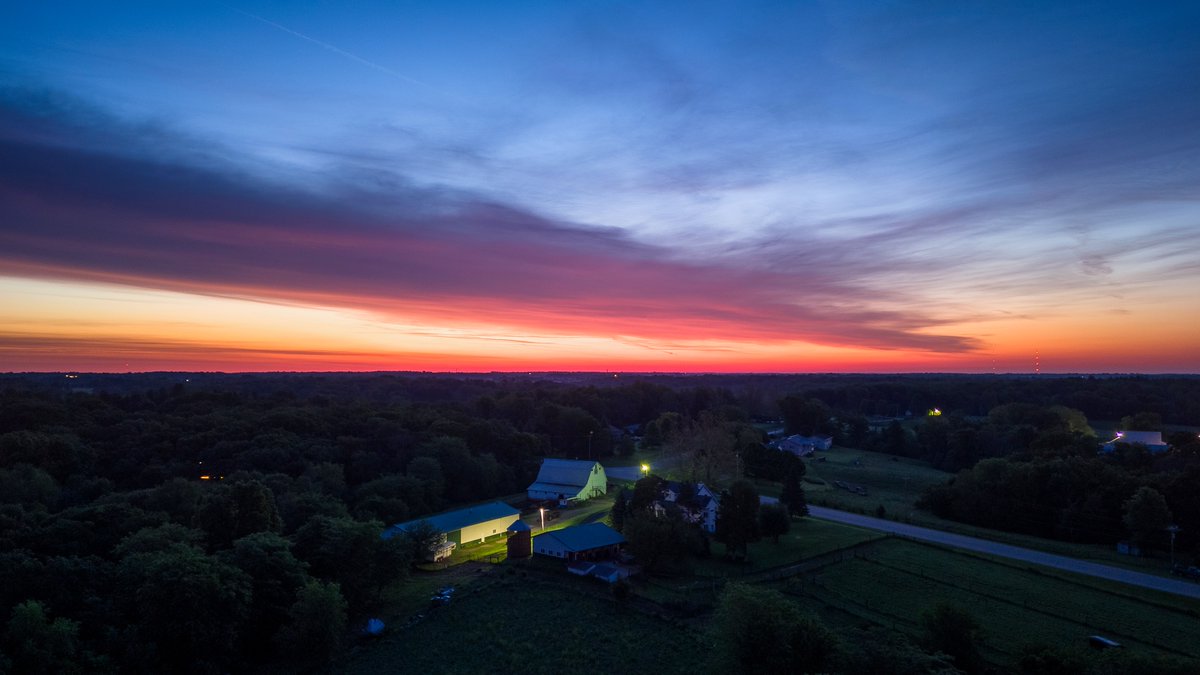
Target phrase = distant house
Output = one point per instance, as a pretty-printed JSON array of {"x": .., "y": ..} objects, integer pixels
[
  {"x": 580, "y": 542},
  {"x": 474, "y": 523},
  {"x": 566, "y": 479},
  {"x": 1151, "y": 439},
  {"x": 697, "y": 505},
  {"x": 802, "y": 446}
]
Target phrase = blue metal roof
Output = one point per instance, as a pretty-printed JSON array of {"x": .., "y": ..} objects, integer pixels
[
  {"x": 451, "y": 521},
  {"x": 586, "y": 537}
]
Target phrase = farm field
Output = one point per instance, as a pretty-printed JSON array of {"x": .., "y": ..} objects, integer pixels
[
  {"x": 896, "y": 485},
  {"x": 808, "y": 538},
  {"x": 512, "y": 623},
  {"x": 1016, "y": 606}
]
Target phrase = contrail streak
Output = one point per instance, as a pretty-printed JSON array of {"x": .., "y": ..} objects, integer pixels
[{"x": 336, "y": 50}]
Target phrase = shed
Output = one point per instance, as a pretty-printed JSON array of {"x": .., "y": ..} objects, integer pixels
[{"x": 520, "y": 540}]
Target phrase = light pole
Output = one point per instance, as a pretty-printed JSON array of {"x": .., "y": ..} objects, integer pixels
[
  {"x": 590, "y": 444},
  {"x": 1173, "y": 528},
  {"x": 645, "y": 470},
  {"x": 542, "y": 512}
]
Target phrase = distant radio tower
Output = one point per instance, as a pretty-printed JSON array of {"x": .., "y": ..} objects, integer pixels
[{"x": 1037, "y": 363}]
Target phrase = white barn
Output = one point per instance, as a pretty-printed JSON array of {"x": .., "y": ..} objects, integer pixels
[{"x": 568, "y": 479}]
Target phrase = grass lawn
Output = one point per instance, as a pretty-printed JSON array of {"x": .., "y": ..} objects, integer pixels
[
  {"x": 896, "y": 485},
  {"x": 511, "y": 623},
  {"x": 1014, "y": 605},
  {"x": 808, "y": 538}
]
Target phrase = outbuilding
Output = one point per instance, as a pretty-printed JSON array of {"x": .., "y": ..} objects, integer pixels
[
  {"x": 594, "y": 541},
  {"x": 1151, "y": 439},
  {"x": 474, "y": 523}
]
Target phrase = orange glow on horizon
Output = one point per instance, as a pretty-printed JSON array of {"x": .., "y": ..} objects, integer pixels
[{"x": 60, "y": 326}]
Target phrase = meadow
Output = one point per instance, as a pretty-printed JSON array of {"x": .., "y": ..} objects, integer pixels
[
  {"x": 510, "y": 622},
  {"x": 893, "y": 581},
  {"x": 897, "y": 483}
]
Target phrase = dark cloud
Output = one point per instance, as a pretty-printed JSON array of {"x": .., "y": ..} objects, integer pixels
[{"x": 141, "y": 214}]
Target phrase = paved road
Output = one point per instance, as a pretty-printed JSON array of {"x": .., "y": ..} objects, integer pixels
[{"x": 1165, "y": 584}]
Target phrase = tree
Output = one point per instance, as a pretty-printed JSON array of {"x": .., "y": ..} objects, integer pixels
[
  {"x": 793, "y": 496},
  {"x": 806, "y": 416},
  {"x": 190, "y": 606},
  {"x": 38, "y": 645},
  {"x": 757, "y": 630},
  {"x": 621, "y": 590},
  {"x": 706, "y": 449},
  {"x": 955, "y": 632},
  {"x": 1146, "y": 515},
  {"x": 879, "y": 650},
  {"x": 317, "y": 622},
  {"x": 658, "y": 542},
  {"x": 620, "y": 508},
  {"x": 646, "y": 491},
  {"x": 774, "y": 520},
  {"x": 347, "y": 552},
  {"x": 275, "y": 577},
  {"x": 737, "y": 518},
  {"x": 1143, "y": 421},
  {"x": 423, "y": 540},
  {"x": 895, "y": 439}
]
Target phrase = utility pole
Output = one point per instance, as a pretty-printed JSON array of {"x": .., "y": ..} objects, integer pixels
[
  {"x": 1173, "y": 528},
  {"x": 590, "y": 444}
]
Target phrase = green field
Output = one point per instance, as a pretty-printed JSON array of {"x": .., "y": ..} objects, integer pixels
[
  {"x": 897, "y": 484},
  {"x": 894, "y": 483},
  {"x": 1016, "y": 606},
  {"x": 512, "y": 623},
  {"x": 808, "y": 538}
]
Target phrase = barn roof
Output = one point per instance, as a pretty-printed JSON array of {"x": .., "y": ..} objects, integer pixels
[
  {"x": 457, "y": 520},
  {"x": 586, "y": 537},
  {"x": 556, "y": 474}
]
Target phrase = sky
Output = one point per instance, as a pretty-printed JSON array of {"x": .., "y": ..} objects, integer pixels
[{"x": 669, "y": 186}]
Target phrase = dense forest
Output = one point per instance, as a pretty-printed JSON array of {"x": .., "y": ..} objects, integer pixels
[{"x": 174, "y": 522}]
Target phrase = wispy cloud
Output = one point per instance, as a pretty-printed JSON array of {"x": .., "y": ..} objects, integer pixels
[{"x": 82, "y": 214}]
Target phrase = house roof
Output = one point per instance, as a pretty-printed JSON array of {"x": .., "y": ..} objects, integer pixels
[
  {"x": 1143, "y": 437},
  {"x": 457, "y": 520},
  {"x": 555, "y": 474},
  {"x": 581, "y": 567},
  {"x": 554, "y": 487},
  {"x": 586, "y": 537},
  {"x": 605, "y": 571}
]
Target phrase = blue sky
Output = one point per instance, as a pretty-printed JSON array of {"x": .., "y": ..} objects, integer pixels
[{"x": 961, "y": 178}]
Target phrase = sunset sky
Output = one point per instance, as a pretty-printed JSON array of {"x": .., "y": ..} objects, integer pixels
[{"x": 651, "y": 186}]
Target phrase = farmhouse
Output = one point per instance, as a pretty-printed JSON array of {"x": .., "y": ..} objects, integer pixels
[
  {"x": 580, "y": 542},
  {"x": 1151, "y": 439},
  {"x": 803, "y": 446},
  {"x": 568, "y": 479},
  {"x": 696, "y": 502},
  {"x": 474, "y": 523}
]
